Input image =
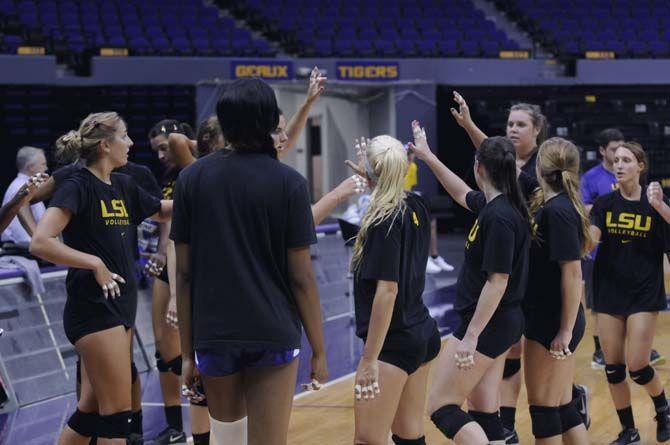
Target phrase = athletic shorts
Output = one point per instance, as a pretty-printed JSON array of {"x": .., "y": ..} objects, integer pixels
[
  {"x": 543, "y": 328},
  {"x": 410, "y": 348},
  {"x": 587, "y": 277},
  {"x": 82, "y": 317},
  {"x": 232, "y": 359},
  {"x": 503, "y": 331}
]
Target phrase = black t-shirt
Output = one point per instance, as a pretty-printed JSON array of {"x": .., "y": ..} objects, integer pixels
[
  {"x": 529, "y": 167},
  {"x": 558, "y": 238},
  {"x": 168, "y": 182},
  {"x": 528, "y": 185},
  {"x": 498, "y": 242},
  {"x": 629, "y": 264},
  {"x": 104, "y": 217},
  {"x": 395, "y": 250},
  {"x": 240, "y": 213}
]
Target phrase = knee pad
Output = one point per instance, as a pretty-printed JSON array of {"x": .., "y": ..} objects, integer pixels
[
  {"x": 642, "y": 376},
  {"x": 546, "y": 421},
  {"x": 133, "y": 372},
  {"x": 490, "y": 423},
  {"x": 202, "y": 402},
  {"x": 450, "y": 419},
  {"x": 116, "y": 426},
  {"x": 86, "y": 424},
  {"x": 175, "y": 365},
  {"x": 229, "y": 433},
  {"x": 615, "y": 373},
  {"x": 512, "y": 366},
  {"x": 160, "y": 363},
  {"x": 570, "y": 417},
  {"x": 397, "y": 440}
]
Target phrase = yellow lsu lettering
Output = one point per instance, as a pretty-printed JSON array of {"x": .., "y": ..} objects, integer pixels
[
  {"x": 267, "y": 71},
  {"x": 415, "y": 219},
  {"x": 629, "y": 221},
  {"x": 368, "y": 72},
  {"x": 118, "y": 206}
]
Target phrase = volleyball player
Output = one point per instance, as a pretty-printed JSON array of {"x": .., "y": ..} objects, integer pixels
[
  {"x": 554, "y": 317},
  {"x": 401, "y": 339},
  {"x": 94, "y": 209},
  {"x": 490, "y": 287},
  {"x": 245, "y": 286},
  {"x": 629, "y": 288}
]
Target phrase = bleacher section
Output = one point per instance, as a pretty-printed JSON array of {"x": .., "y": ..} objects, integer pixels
[
  {"x": 145, "y": 27},
  {"x": 571, "y": 27},
  {"x": 388, "y": 28}
]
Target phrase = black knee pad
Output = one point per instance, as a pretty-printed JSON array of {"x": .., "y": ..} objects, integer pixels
[
  {"x": 116, "y": 426},
  {"x": 449, "y": 419},
  {"x": 642, "y": 376},
  {"x": 175, "y": 365},
  {"x": 133, "y": 372},
  {"x": 615, "y": 373},
  {"x": 570, "y": 417},
  {"x": 490, "y": 423},
  {"x": 546, "y": 421},
  {"x": 86, "y": 424},
  {"x": 512, "y": 366},
  {"x": 400, "y": 441},
  {"x": 202, "y": 402},
  {"x": 161, "y": 365}
]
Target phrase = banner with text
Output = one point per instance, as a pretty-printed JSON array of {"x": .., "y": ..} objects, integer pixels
[{"x": 367, "y": 70}]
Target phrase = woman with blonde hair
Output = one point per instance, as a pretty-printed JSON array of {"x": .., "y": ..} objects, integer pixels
[
  {"x": 554, "y": 317},
  {"x": 389, "y": 266},
  {"x": 94, "y": 209}
]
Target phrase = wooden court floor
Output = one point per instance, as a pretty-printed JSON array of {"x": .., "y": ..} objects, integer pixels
[{"x": 326, "y": 417}]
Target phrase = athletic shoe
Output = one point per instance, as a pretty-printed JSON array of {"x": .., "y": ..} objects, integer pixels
[
  {"x": 443, "y": 264},
  {"x": 169, "y": 436},
  {"x": 663, "y": 425},
  {"x": 581, "y": 393},
  {"x": 629, "y": 436},
  {"x": 135, "y": 439},
  {"x": 598, "y": 360},
  {"x": 431, "y": 267},
  {"x": 511, "y": 437},
  {"x": 655, "y": 358}
]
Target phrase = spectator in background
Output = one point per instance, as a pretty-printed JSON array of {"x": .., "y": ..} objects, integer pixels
[{"x": 29, "y": 161}]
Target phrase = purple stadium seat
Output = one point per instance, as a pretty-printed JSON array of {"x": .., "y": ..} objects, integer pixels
[
  {"x": 470, "y": 49},
  {"x": 448, "y": 48},
  {"x": 384, "y": 48},
  {"x": 490, "y": 48},
  {"x": 364, "y": 47},
  {"x": 638, "y": 48},
  {"x": 659, "y": 48},
  {"x": 406, "y": 48},
  {"x": 323, "y": 47},
  {"x": 343, "y": 47}
]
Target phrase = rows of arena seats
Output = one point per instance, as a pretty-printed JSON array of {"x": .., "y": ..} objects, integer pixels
[
  {"x": 380, "y": 28},
  {"x": 145, "y": 27},
  {"x": 571, "y": 27}
]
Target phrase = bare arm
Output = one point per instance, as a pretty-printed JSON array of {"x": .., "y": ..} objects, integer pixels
[
  {"x": 595, "y": 233},
  {"x": 163, "y": 215},
  {"x": 327, "y": 205},
  {"x": 380, "y": 318},
  {"x": 492, "y": 293},
  {"x": 181, "y": 148},
  {"x": 27, "y": 219},
  {"x": 303, "y": 286}
]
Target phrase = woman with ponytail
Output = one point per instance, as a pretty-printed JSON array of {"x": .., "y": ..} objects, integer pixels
[
  {"x": 629, "y": 289},
  {"x": 554, "y": 316},
  {"x": 96, "y": 210},
  {"x": 389, "y": 266},
  {"x": 489, "y": 291}
]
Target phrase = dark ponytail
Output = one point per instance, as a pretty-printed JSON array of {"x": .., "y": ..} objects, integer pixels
[{"x": 498, "y": 157}]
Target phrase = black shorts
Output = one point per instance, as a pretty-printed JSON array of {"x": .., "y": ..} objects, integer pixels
[
  {"x": 543, "y": 328},
  {"x": 81, "y": 318},
  {"x": 503, "y": 331},
  {"x": 164, "y": 276},
  {"x": 410, "y": 348},
  {"x": 587, "y": 277}
]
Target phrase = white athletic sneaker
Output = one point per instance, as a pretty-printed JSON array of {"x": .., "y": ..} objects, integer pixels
[
  {"x": 439, "y": 261},
  {"x": 432, "y": 267}
]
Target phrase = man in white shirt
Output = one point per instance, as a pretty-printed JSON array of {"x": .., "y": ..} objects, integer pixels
[{"x": 29, "y": 161}]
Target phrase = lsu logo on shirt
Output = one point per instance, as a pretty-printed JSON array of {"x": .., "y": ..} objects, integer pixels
[
  {"x": 472, "y": 236},
  {"x": 628, "y": 224},
  {"x": 114, "y": 213},
  {"x": 415, "y": 219}
]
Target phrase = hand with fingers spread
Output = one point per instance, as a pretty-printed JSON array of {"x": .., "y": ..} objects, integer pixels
[
  {"x": 367, "y": 380},
  {"x": 655, "y": 195},
  {"x": 462, "y": 115},
  {"x": 27, "y": 190},
  {"x": 108, "y": 281},
  {"x": 361, "y": 146},
  {"x": 353, "y": 185},
  {"x": 465, "y": 353},
  {"x": 192, "y": 387},
  {"x": 156, "y": 263},
  {"x": 316, "y": 85},
  {"x": 560, "y": 346},
  {"x": 420, "y": 146},
  {"x": 171, "y": 317}
]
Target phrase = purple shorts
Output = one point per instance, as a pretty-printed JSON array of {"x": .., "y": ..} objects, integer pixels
[{"x": 233, "y": 359}]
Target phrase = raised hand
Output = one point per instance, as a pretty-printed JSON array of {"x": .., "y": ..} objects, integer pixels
[
  {"x": 420, "y": 146},
  {"x": 462, "y": 116},
  {"x": 316, "y": 85}
]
